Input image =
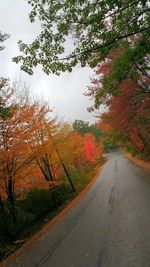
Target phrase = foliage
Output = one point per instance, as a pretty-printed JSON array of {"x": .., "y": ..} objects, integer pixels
[
  {"x": 81, "y": 126},
  {"x": 119, "y": 66},
  {"x": 3, "y": 37},
  {"x": 17, "y": 132},
  {"x": 127, "y": 121},
  {"x": 109, "y": 138},
  {"x": 84, "y": 127},
  {"x": 75, "y": 147},
  {"x": 30, "y": 142},
  {"x": 37, "y": 207},
  {"x": 4, "y": 110},
  {"x": 95, "y": 27},
  {"x": 92, "y": 149},
  {"x": 39, "y": 201},
  {"x": 129, "y": 115}
]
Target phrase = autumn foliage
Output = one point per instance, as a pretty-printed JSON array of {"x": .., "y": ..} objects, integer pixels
[
  {"x": 37, "y": 152},
  {"x": 91, "y": 148},
  {"x": 127, "y": 121}
]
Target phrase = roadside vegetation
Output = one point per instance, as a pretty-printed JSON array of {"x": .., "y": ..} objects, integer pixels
[
  {"x": 127, "y": 97},
  {"x": 44, "y": 163}
]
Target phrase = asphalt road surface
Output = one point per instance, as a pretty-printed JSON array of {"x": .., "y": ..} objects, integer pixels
[{"x": 109, "y": 227}]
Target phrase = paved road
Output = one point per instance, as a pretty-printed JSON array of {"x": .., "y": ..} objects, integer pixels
[{"x": 109, "y": 227}]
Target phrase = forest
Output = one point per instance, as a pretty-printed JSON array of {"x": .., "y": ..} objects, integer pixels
[{"x": 45, "y": 162}]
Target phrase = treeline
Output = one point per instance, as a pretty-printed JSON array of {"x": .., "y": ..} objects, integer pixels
[
  {"x": 125, "y": 90},
  {"x": 42, "y": 160}
]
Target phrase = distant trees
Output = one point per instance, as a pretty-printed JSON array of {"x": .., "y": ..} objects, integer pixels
[
  {"x": 84, "y": 127},
  {"x": 81, "y": 126},
  {"x": 92, "y": 149},
  {"x": 109, "y": 138}
]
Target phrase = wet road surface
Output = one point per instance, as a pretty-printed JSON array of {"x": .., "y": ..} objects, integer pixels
[{"x": 108, "y": 227}]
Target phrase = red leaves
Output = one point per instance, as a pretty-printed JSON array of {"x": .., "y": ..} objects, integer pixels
[
  {"x": 128, "y": 101},
  {"x": 91, "y": 148},
  {"x": 104, "y": 69},
  {"x": 130, "y": 113}
]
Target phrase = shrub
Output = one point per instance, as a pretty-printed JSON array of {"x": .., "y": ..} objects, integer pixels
[{"x": 39, "y": 202}]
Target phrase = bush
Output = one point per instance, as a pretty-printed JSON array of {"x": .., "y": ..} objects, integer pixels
[
  {"x": 39, "y": 202},
  {"x": 59, "y": 194}
]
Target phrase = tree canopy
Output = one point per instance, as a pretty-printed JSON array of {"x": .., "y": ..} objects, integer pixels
[{"x": 95, "y": 27}]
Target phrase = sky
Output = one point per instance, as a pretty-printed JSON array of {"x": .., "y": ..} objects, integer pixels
[{"x": 65, "y": 92}]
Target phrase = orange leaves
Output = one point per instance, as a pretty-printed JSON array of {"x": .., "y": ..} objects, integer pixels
[
  {"x": 20, "y": 142},
  {"x": 78, "y": 150},
  {"x": 35, "y": 149}
]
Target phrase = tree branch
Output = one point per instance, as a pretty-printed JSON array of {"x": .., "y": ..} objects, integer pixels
[{"x": 115, "y": 40}]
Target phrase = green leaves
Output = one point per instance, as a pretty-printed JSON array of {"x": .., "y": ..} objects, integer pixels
[
  {"x": 3, "y": 37},
  {"x": 96, "y": 27},
  {"x": 5, "y": 110}
]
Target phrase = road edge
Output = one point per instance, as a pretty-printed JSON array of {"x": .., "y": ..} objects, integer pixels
[
  {"x": 137, "y": 161},
  {"x": 50, "y": 224}
]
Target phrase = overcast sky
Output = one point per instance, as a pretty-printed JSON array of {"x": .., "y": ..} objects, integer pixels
[{"x": 64, "y": 92}]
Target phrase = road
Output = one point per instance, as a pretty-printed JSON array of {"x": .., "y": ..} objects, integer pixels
[{"x": 108, "y": 227}]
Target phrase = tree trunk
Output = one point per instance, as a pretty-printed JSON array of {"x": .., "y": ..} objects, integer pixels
[
  {"x": 10, "y": 194},
  {"x": 4, "y": 216},
  {"x": 45, "y": 168},
  {"x": 48, "y": 167},
  {"x": 68, "y": 176}
]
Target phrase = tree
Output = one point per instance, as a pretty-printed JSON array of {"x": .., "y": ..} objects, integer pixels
[
  {"x": 81, "y": 150},
  {"x": 59, "y": 143},
  {"x": 4, "y": 113},
  {"x": 16, "y": 158},
  {"x": 84, "y": 127},
  {"x": 42, "y": 139},
  {"x": 92, "y": 149},
  {"x": 120, "y": 65},
  {"x": 73, "y": 150},
  {"x": 81, "y": 126},
  {"x": 109, "y": 138},
  {"x": 129, "y": 115},
  {"x": 95, "y": 27},
  {"x": 127, "y": 98}
]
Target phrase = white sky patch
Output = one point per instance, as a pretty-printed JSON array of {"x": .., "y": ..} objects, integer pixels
[{"x": 64, "y": 92}]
